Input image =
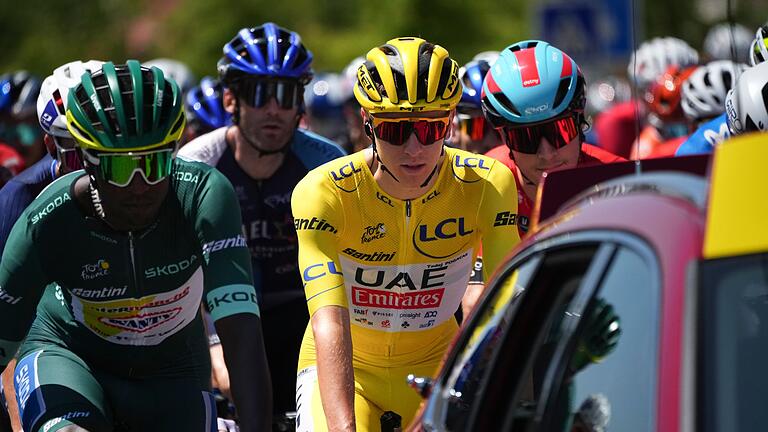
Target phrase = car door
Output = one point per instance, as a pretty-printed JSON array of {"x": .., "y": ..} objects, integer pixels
[
  {"x": 508, "y": 369},
  {"x": 555, "y": 270},
  {"x": 617, "y": 389}
]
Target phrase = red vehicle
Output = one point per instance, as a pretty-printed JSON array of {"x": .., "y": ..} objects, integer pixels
[{"x": 666, "y": 266}]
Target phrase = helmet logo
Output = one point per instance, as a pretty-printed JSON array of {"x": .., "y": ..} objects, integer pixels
[
  {"x": 733, "y": 118},
  {"x": 95, "y": 102},
  {"x": 537, "y": 109},
  {"x": 531, "y": 82}
]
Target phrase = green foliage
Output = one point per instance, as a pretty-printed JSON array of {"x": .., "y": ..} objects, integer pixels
[{"x": 43, "y": 34}]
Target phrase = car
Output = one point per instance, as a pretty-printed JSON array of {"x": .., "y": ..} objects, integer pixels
[{"x": 638, "y": 304}]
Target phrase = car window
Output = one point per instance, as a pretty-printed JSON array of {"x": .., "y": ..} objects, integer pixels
[
  {"x": 482, "y": 339},
  {"x": 611, "y": 378},
  {"x": 529, "y": 287},
  {"x": 733, "y": 347}
]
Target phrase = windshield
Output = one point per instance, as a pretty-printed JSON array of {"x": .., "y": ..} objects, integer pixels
[{"x": 733, "y": 343}]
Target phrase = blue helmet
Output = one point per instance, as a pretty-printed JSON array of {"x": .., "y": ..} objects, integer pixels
[
  {"x": 204, "y": 105},
  {"x": 18, "y": 94},
  {"x": 471, "y": 76},
  {"x": 532, "y": 81},
  {"x": 267, "y": 51}
]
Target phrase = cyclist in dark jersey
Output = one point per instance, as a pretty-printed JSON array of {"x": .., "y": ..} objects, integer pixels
[
  {"x": 61, "y": 159},
  {"x": 265, "y": 155},
  {"x": 132, "y": 246}
]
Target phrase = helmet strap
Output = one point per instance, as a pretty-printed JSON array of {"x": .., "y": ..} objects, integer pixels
[
  {"x": 381, "y": 164},
  {"x": 434, "y": 170},
  {"x": 98, "y": 207}
]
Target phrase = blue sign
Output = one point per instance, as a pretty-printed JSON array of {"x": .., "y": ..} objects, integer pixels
[{"x": 588, "y": 30}]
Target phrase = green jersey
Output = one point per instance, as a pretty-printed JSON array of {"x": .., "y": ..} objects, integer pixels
[{"x": 127, "y": 301}]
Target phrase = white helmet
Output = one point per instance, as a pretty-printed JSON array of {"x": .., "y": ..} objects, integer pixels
[
  {"x": 720, "y": 39},
  {"x": 758, "y": 51},
  {"x": 746, "y": 105},
  {"x": 177, "y": 70},
  {"x": 488, "y": 56},
  {"x": 349, "y": 75},
  {"x": 704, "y": 92},
  {"x": 653, "y": 57},
  {"x": 607, "y": 92},
  {"x": 52, "y": 101}
]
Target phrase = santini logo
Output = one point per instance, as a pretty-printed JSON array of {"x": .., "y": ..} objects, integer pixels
[
  {"x": 313, "y": 224},
  {"x": 374, "y": 257}
]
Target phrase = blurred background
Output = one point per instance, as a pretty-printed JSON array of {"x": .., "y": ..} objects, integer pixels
[{"x": 43, "y": 34}]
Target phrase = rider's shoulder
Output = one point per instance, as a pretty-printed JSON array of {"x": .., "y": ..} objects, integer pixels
[
  {"x": 470, "y": 167},
  {"x": 206, "y": 148},
  {"x": 56, "y": 197},
  {"x": 314, "y": 150}
]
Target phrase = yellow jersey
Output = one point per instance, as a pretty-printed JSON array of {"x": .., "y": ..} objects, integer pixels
[{"x": 400, "y": 267}]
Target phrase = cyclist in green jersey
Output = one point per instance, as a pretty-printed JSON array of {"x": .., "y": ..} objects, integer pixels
[{"x": 132, "y": 245}]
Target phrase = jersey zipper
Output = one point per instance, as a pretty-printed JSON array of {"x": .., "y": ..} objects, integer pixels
[
  {"x": 396, "y": 321},
  {"x": 132, "y": 250}
]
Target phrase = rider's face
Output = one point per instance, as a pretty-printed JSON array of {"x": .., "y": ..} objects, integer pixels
[
  {"x": 546, "y": 158},
  {"x": 270, "y": 126},
  {"x": 133, "y": 207},
  {"x": 412, "y": 162}
]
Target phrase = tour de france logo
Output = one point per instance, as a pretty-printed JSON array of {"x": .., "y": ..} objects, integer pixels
[
  {"x": 373, "y": 232},
  {"x": 93, "y": 271}
]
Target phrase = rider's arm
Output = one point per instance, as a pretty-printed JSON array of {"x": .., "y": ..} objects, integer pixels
[
  {"x": 333, "y": 342},
  {"x": 326, "y": 296},
  {"x": 243, "y": 346},
  {"x": 498, "y": 218},
  {"x": 22, "y": 282},
  {"x": 475, "y": 287},
  {"x": 231, "y": 300}
]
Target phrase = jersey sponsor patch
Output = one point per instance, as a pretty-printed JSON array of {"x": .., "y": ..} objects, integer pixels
[
  {"x": 442, "y": 239},
  {"x": 385, "y": 297},
  {"x": 141, "y": 321},
  {"x": 50, "y": 207}
]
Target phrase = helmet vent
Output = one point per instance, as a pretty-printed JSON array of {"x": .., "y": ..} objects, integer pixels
[
  {"x": 727, "y": 80},
  {"x": 376, "y": 78},
  {"x": 506, "y": 103},
  {"x": 562, "y": 91},
  {"x": 425, "y": 58},
  {"x": 445, "y": 74}
]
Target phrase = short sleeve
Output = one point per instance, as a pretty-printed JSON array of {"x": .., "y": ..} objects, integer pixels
[
  {"x": 319, "y": 220},
  {"x": 498, "y": 217}
]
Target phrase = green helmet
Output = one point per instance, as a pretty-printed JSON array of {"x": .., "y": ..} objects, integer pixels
[{"x": 122, "y": 108}]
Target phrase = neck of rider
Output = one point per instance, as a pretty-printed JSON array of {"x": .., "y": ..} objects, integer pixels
[{"x": 256, "y": 164}]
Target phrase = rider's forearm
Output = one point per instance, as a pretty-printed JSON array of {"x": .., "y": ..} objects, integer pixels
[
  {"x": 251, "y": 387},
  {"x": 10, "y": 396},
  {"x": 470, "y": 299},
  {"x": 333, "y": 342}
]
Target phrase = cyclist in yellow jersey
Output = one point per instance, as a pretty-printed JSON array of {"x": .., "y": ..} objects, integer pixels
[{"x": 387, "y": 240}]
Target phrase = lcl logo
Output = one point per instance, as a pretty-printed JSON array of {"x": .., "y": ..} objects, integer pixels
[
  {"x": 426, "y": 235},
  {"x": 345, "y": 171},
  {"x": 448, "y": 228}
]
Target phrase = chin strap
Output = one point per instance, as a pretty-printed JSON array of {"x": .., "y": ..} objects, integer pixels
[
  {"x": 434, "y": 170},
  {"x": 262, "y": 152}
]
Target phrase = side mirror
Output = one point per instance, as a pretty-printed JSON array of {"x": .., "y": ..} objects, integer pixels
[{"x": 422, "y": 385}]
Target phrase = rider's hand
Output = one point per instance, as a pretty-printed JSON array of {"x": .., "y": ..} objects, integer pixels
[
  {"x": 219, "y": 372},
  {"x": 600, "y": 336}
]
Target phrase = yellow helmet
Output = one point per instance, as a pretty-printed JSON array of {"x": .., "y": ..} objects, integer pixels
[{"x": 408, "y": 74}]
